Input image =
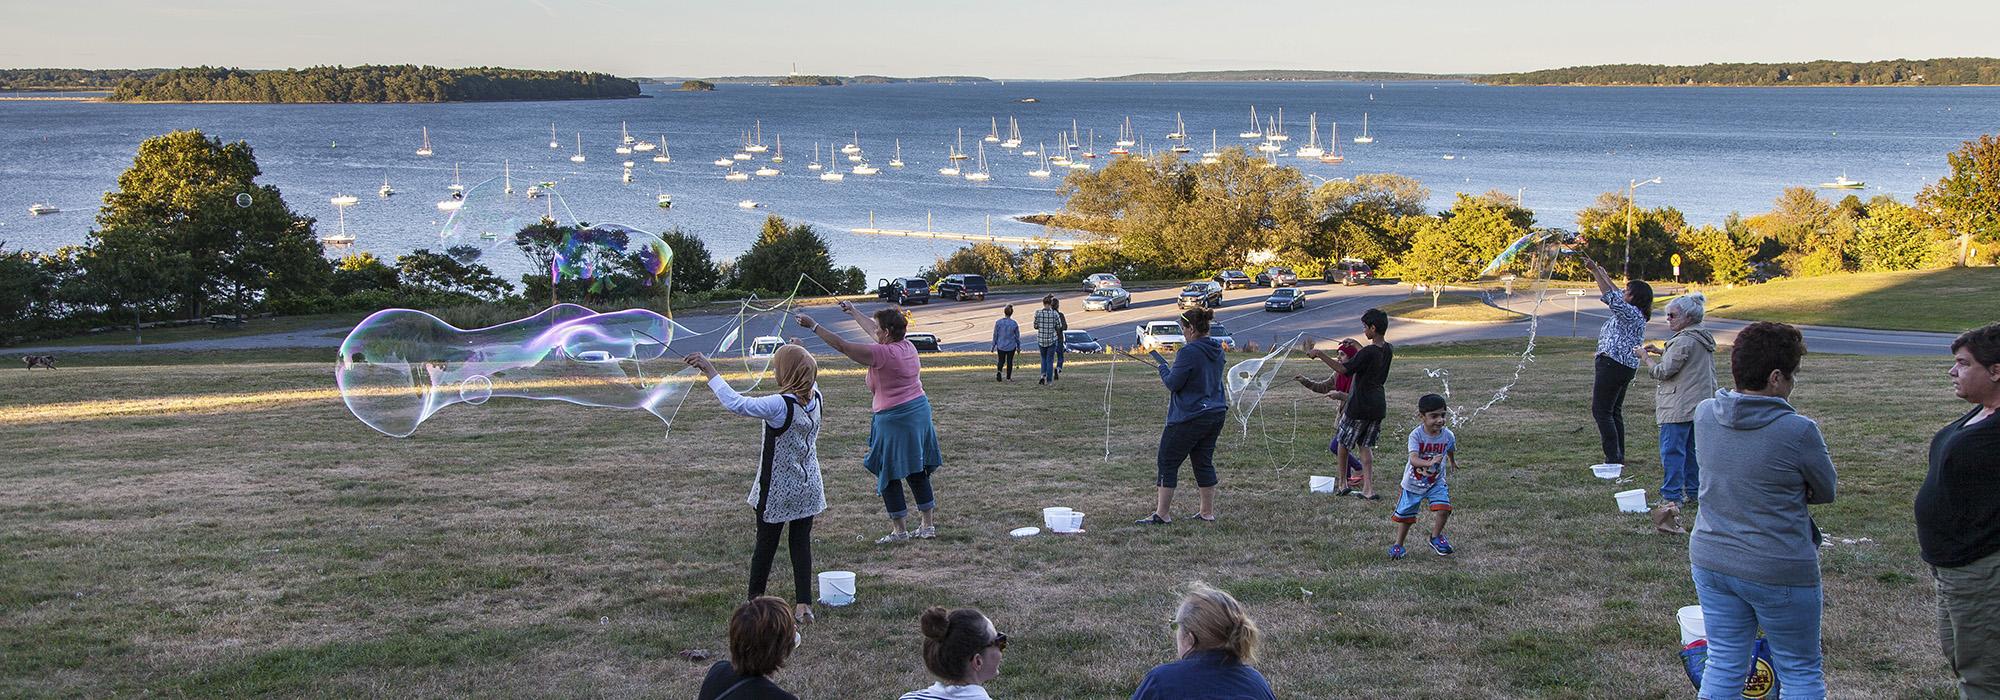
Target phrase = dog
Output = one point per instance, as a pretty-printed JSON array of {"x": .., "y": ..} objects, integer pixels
[{"x": 34, "y": 361}]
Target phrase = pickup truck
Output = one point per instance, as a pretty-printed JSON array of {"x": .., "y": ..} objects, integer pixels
[{"x": 1164, "y": 336}]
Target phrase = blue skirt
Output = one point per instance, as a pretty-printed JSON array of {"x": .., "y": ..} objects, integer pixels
[{"x": 902, "y": 441}]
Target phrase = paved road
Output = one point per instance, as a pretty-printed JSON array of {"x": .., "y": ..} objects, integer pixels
[{"x": 1331, "y": 311}]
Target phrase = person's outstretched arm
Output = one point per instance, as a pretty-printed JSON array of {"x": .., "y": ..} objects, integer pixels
[
  {"x": 770, "y": 408},
  {"x": 1604, "y": 283},
  {"x": 868, "y": 325},
  {"x": 858, "y": 352}
]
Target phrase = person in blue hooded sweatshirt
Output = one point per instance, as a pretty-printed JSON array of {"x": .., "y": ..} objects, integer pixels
[{"x": 1194, "y": 416}]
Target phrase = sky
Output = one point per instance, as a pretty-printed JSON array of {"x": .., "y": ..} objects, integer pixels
[{"x": 1021, "y": 39}]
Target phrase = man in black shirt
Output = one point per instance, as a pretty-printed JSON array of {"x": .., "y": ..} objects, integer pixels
[
  {"x": 1368, "y": 404},
  {"x": 1958, "y": 518}
]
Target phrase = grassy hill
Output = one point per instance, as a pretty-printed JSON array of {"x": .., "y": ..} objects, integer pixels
[{"x": 1945, "y": 301}]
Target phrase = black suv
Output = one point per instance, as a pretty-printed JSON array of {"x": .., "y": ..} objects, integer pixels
[
  {"x": 1349, "y": 272},
  {"x": 962, "y": 287},
  {"x": 905, "y": 291},
  {"x": 1275, "y": 277},
  {"x": 1207, "y": 294},
  {"x": 1231, "y": 279}
]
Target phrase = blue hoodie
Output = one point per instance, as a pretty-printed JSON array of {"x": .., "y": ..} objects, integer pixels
[
  {"x": 1196, "y": 381},
  {"x": 1761, "y": 463}
]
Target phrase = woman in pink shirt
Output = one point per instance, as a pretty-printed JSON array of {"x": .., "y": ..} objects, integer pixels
[{"x": 902, "y": 442}]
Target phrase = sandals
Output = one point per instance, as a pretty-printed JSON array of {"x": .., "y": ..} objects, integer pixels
[
  {"x": 1198, "y": 516},
  {"x": 1375, "y": 497},
  {"x": 1344, "y": 490},
  {"x": 924, "y": 533},
  {"x": 803, "y": 617},
  {"x": 1152, "y": 519}
]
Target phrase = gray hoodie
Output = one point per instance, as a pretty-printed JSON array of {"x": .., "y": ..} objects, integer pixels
[{"x": 1761, "y": 463}]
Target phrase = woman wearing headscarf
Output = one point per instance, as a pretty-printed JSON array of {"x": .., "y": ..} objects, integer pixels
[
  {"x": 902, "y": 441},
  {"x": 1686, "y": 373},
  {"x": 787, "y": 489}
]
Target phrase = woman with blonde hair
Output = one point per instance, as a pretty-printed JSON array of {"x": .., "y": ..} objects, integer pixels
[
  {"x": 788, "y": 489},
  {"x": 1217, "y": 643}
]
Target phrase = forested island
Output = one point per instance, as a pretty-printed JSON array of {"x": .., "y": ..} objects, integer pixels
[
  {"x": 1227, "y": 76},
  {"x": 1936, "y": 71},
  {"x": 829, "y": 80},
  {"x": 54, "y": 79},
  {"x": 368, "y": 84},
  {"x": 696, "y": 86}
]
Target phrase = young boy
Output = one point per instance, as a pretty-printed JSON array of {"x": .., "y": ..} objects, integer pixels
[{"x": 1432, "y": 446}]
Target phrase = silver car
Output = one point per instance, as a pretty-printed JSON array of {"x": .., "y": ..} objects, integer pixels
[
  {"x": 1101, "y": 280},
  {"x": 1108, "y": 299}
]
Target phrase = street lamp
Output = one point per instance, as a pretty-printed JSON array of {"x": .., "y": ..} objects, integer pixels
[{"x": 1630, "y": 204}]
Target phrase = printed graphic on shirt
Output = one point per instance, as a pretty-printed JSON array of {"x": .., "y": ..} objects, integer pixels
[{"x": 1425, "y": 446}]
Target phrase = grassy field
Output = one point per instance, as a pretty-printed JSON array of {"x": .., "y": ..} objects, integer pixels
[
  {"x": 1452, "y": 306},
  {"x": 332, "y": 323},
  {"x": 1945, "y": 301},
  {"x": 228, "y": 529}
]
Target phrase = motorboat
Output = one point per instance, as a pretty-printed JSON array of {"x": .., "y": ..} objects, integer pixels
[
  {"x": 736, "y": 176},
  {"x": 342, "y": 200},
  {"x": 864, "y": 169},
  {"x": 38, "y": 209},
  {"x": 665, "y": 201},
  {"x": 767, "y": 171},
  {"x": 748, "y": 204},
  {"x": 725, "y": 162},
  {"x": 1843, "y": 183},
  {"x": 385, "y": 190}
]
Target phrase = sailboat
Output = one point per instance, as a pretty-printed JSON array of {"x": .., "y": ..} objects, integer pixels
[
  {"x": 1213, "y": 154},
  {"x": 1180, "y": 128},
  {"x": 958, "y": 153},
  {"x": 725, "y": 161},
  {"x": 950, "y": 168},
  {"x": 625, "y": 137},
  {"x": 1364, "y": 137},
  {"x": 341, "y": 238},
  {"x": 553, "y": 143},
  {"x": 1269, "y": 146},
  {"x": 1042, "y": 171},
  {"x": 506, "y": 176},
  {"x": 1277, "y": 132},
  {"x": 779, "y": 157},
  {"x": 1332, "y": 155},
  {"x": 767, "y": 171},
  {"x": 853, "y": 147},
  {"x": 756, "y": 143},
  {"x": 1013, "y": 135},
  {"x": 736, "y": 175},
  {"x": 455, "y": 186},
  {"x": 1075, "y": 136},
  {"x": 815, "y": 164},
  {"x": 993, "y": 136},
  {"x": 1312, "y": 149},
  {"x": 578, "y": 158},
  {"x": 833, "y": 173},
  {"x": 863, "y": 168},
  {"x": 896, "y": 161},
  {"x": 425, "y": 150},
  {"x": 385, "y": 190},
  {"x": 1253, "y": 133},
  {"x": 982, "y": 174},
  {"x": 1124, "y": 136},
  {"x": 663, "y": 157},
  {"x": 1061, "y": 156},
  {"x": 1091, "y": 152}
]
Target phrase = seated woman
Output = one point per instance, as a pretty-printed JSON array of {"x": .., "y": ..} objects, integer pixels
[
  {"x": 761, "y": 636},
  {"x": 1217, "y": 642},
  {"x": 962, "y": 649}
]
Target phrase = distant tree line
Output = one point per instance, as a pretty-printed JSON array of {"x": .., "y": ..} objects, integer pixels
[
  {"x": 369, "y": 84},
  {"x": 1935, "y": 71},
  {"x": 189, "y": 233},
  {"x": 69, "y": 78},
  {"x": 1256, "y": 75}
]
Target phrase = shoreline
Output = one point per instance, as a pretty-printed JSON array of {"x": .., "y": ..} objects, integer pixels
[
  {"x": 1735, "y": 85},
  {"x": 107, "y": 100}
]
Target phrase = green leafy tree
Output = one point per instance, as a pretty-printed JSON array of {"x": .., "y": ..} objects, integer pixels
[
  {"x": 1167, "y": 216},
  {"x": 1358, "y": 218},
  {"x": 1897, "y": 237},
  {"x": 1440, "y": 257},
  {"x": 1712, "y": 255},
  {"x": 1602, "y": 229},
  {"x": 424, "y": 270},
  {"x": 783, "y": 254},
  {"x": 693, "y": 268},
  {"x": 129, "y": 272},
  {"x": 25, "y": 285},
  {"x": 992, "y": 261},
  {"x": 360, "y": 272},
  {"x": 1966, "y": 201}
]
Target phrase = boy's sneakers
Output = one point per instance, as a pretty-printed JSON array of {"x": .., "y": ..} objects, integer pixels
[
  {"x": 1396, "y": 551},
  {"x": 1441, "y": 545}
]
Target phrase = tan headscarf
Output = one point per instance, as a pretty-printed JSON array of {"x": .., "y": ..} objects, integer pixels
[{"x": 796, "y": 370}]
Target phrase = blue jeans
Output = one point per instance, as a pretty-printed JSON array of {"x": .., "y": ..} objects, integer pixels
[
  {"x": 1049, "y": 362},
  {"x": 920, "y": 489},
  {"x": 1733, "y": 609},
  {"x": 1683, "y": 473}
]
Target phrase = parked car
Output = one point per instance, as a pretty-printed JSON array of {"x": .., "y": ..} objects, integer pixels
[
  {"x": 1099, "y": 280},
  {"x": 925, "y": 342},
  {"x": 1081, "y": 341},
  {"x": 1108, "y": 299},
  {"x": 1277, "y": 277},
  {"x": 765, "y": 345},
  {"x": 1231, "y": 279},
  {"x": 1221, "y": 335},
  {"x": 904, "y": 290},
  {"x": 1349, "y": 273},
  {"x": 1207, "y": 294},
  {"x": 1285, "y": 299},
  {"x": 961, "y": 287},
  {"x": 1164, "y": 336}
]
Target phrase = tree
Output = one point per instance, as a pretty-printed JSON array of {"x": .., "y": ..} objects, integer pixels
[
  {"x": 1712, "y": 255},
  {"x": 1967, "y": 200},
  {"x": 783, "y": 255},
  {"x": 1602, "y": 228},
  {"x": 693, "y": 268},
  {"x": 992, "y": 261},
  {"x": 1896, "y": 237},
  {"x": 360, "y": 272},
  {"x": 129, "y": 271},
  {"x": 424, "y": 270},
  {"x": 1440, "y": 257},
  {"x": 1358, "y": 218}
]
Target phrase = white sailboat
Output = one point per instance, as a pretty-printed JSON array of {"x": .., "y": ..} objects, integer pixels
[
  {"x": 578, "y": 158},
  {"x": 455, "y": 186},
  {"x": 896, "y": 161},
  {"x": 624, "y": 136},
  {"x": 385, "y": 190},
  {"x": 993, "y": 136},
  {"x": 425, "y": 150},
  {"x": 815, "y": 164},
  {"x": 553, "y": 143},
  {"x": 756, "y": 144},
  {"x": 1013, "y": 134},
  {"x": 779, "y": 157},
  {"x": 1332, "y": 155},
  {"x": 1254, "y": 132},
  {"x": 340, "y": 238},
  {"x": 1277, "y": 132},
  {"x": 663, "y": 157},
  {"x": 1364, "y": 137},
  {"x": 950, "y": 168},
  {"x": 1042, "y": 171},
  {"x": 958, "y": 152},
  {"x": 1213, "y": 154},
  {"x": 982, "y": 174},
  {"x": 1060, "y": 158},
  {"x": 1125, "y": 136},
  {"x": 833, "y": 173},
  {"x": 853, "y": 147},
  {"x": 506, "y": 176},
  {"x": 1312, "y": 149},
  {"x": 1180, "y": 129}
]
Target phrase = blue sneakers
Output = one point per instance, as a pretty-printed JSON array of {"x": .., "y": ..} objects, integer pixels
[
  {"x": 1396, "y": 551},
  {"x": 1441, "y": 545}
]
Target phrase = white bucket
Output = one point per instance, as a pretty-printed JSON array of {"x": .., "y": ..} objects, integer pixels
[
  {"x": 1607, "y": 471},
  {"x": 1075, "y": 521},
  {"x": 1692, "y": 627},
  {"x": 1056, "y": 517},
  {"x": 836, "y": 587},
  {"x": 1633, "y": 501},
  {"x": 1321, "y": 484}
]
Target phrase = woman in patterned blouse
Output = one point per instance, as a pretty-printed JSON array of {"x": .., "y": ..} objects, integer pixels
[{"x": 1618, "y": 345}]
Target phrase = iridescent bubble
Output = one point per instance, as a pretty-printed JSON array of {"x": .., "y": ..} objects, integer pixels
[{"x": 243, "y": 200}]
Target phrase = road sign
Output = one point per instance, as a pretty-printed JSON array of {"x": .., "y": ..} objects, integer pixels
[
  {"x": 1578, "y": 293},
  {"x": 1677, "y": 259}
]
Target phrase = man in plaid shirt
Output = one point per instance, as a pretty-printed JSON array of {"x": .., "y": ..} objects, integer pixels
[{"x": 1049, "y": 327}]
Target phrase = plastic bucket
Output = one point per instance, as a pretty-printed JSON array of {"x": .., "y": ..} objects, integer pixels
[
  {"x": 1321, "y": 484},
  {"x": 1607, "y": 471},
  {"x": 836, "y": 587},
  {"x": 1056, "y": 517},
  {"x": 1075, "y": 521},
  {"x": 1633, "y": 501},
  {"x": 1692, "y": 627}
]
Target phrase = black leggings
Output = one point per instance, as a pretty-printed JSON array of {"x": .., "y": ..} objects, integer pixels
[
  {"x": 767, "y": 549},
  {"x": 1005, "y": 363},
  {"x": 1607, "y": 406}
]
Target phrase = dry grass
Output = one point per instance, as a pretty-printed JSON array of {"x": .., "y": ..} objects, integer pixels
[
  {"x": 1452, "y": 306},
  {"x": 222, "y": 546}
]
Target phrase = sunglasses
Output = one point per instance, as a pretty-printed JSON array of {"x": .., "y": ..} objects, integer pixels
[{"x": 999, "y": 641}]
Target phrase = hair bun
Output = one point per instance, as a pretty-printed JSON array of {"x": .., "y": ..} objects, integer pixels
[{"x": 936, "y": 622}]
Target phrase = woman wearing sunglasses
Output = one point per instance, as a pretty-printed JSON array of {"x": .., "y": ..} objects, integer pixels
[{"x": 963, "y": 650}]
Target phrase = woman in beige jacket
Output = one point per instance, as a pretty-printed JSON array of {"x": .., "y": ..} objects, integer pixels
[{"x": 1686, "y": 372}]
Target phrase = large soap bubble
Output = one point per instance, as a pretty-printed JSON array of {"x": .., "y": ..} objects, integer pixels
[{"x": 1250, "y": 379}]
